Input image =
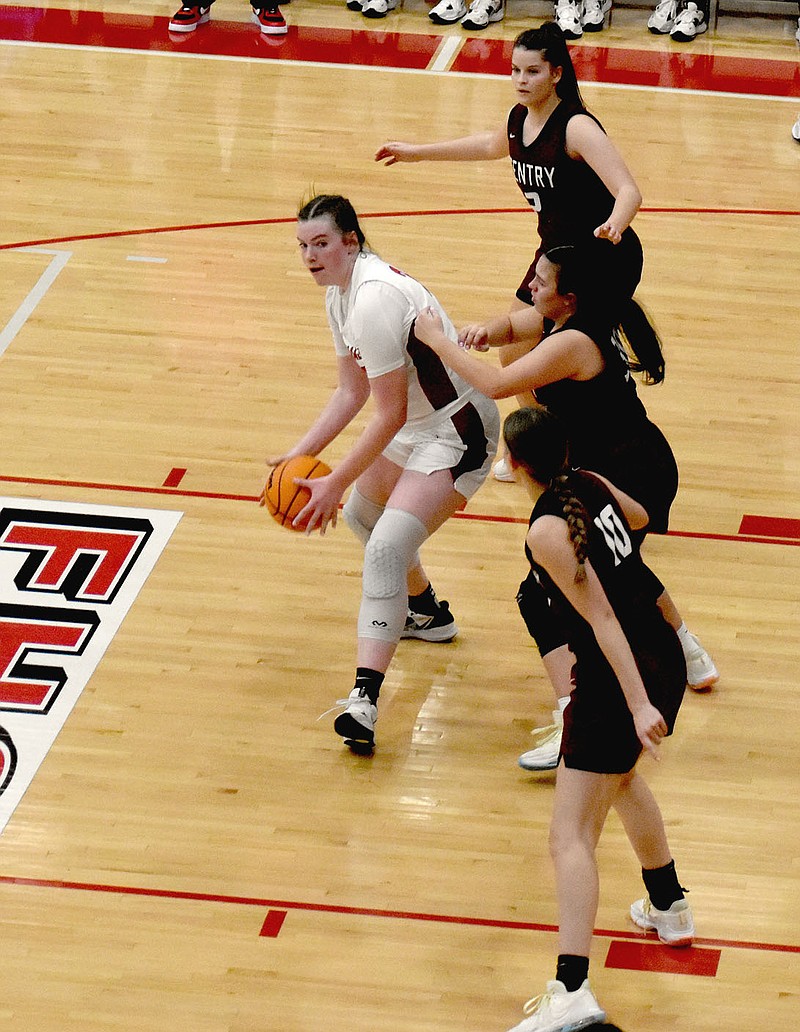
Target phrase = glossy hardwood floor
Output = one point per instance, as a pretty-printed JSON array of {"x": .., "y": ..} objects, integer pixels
[{"x": 193, "y": 798}]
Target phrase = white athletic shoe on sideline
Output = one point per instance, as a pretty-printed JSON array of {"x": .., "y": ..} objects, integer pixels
[
  {"x": 663, "y": 17},
  {"x": 482, "y": 12},
  {"x": 567, "y": 15},
  {"x": 675, "y": 927},
  {"x": 701, "y": 673},
  {"x": 593, "y": 15},
  {"x": 690, "y": 22},
  {"x": 546, "y": 752},
  {"x": 796, "y": 126},
  {"x": 377, "y": 8},
  {"x": 503, "y": 472},
  {"x": 556, "y": 1010},
  {"x": 448, "y": 12}
]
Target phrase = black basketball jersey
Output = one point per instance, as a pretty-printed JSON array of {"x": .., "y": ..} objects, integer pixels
[
  {"x": 613, "y": 551},
  {"x": 599, "y": 732},
  {"x": 609, "y": 430},
  {"x": 568, "y": 196}
]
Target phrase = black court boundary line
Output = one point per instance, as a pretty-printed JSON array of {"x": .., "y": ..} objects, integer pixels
[{"x": 397, "y": 915}]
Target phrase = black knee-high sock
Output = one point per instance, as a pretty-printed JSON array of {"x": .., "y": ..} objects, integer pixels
[
  {"x": 371, "y": 681},
  {"x": 662, "y": 885},
  {"x": 572, "y": 971}
]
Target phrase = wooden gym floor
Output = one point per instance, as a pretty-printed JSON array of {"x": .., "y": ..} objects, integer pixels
[{"x": 196, "y": 850}]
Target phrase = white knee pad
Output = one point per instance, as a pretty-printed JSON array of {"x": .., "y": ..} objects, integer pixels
[
  {"x": 361, "y": 515},
  {"x": 391, "y": 550}
]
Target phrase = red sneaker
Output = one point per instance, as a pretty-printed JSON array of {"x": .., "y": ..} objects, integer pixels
[
  {"x": 189, "y": 17},
  {"x": 271, "y": 21}
]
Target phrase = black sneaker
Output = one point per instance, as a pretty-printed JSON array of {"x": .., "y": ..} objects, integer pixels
[{"x": 440, "y": 627}]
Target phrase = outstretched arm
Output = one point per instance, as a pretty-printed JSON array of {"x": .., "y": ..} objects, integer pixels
[
  {"x": 562, "y": 356},
  {"x": 485, "y": 146},
  {"x": 517, "y": 326}
]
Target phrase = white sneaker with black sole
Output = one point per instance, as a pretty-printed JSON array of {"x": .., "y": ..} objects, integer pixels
[
  {"x": 689, "y": 23},
  {"x": 568, "y": 14},
  {"x": 377, "y": 8},
  {"x": 482, "y": 12},
  {"x": 448, "y": 12},
  {"x": 662, "y": 19},
  {"x": 593, "y": 15},
  {"x": 357, "y": 724}
]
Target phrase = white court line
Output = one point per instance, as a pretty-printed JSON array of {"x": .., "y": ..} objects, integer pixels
[
  {"x": 145, "y": 258},
  {"x": 305, "y": 65},
  {"x": 43, "y": 284},
  {"x": 449, "y": 48}
]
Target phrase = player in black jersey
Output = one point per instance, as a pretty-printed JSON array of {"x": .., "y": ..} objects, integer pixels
[
  {"x": 580, "y": 372},
  {"x": 568, "y": 170},
  {"x": 628, "y": 680}
]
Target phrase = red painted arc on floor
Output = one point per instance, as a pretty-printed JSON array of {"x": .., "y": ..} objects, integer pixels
[{"x": 360, "y": 47}]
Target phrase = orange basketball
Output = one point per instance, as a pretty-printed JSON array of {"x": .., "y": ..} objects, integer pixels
[{"x": 283, "y": 498}]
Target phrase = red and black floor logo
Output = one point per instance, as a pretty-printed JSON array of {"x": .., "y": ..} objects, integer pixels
[{"x": 68, "y": 576}]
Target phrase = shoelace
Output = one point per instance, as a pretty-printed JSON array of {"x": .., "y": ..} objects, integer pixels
[
  {"x": 536, "y": 1003},
  {"x": 341, "y": 704}
]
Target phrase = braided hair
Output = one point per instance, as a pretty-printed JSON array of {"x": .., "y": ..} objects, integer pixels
[
  {"x": 577, "y": 520},
  {"x": 537, "y": 441}
]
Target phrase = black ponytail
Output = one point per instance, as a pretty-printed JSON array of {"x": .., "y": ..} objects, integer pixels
[{"x": 578, "y": 272}]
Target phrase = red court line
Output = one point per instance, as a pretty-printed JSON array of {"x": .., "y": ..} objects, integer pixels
[
  {"x": 94, "y": 486},
  {"x": 396, "y": 915},
  {"x": 770, "y": 526},
  {"x": 647, "y": 956},
  {"x": 286, "y": 219},
  {"x": 480, "y": 517},
  {"x": 622, "y": 66},
  {"x": 174, "y": 477}
]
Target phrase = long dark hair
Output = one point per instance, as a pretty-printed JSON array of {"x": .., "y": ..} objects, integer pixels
[
  {"x": 537, "y": 441},
  {"x": 578, "y": 272},
  {"x": 551, "y": 42},
  {"x": 340, "y": 211}
]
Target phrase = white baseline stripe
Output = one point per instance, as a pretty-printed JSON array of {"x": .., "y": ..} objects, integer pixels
[
  {"x": 450, "y": 47},
  {"x": 144, "y": 258},
  {"x": 28, "y": 306},
  {"x": 381, "y": 68}
]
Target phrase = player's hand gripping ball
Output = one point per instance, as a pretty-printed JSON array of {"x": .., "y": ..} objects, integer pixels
[{"x": 283, "y": 498}]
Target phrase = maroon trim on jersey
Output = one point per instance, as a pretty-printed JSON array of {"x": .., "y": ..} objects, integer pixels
[
  {"x": 432, "y": 373},
  {"x": 472, "y": 432}
]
